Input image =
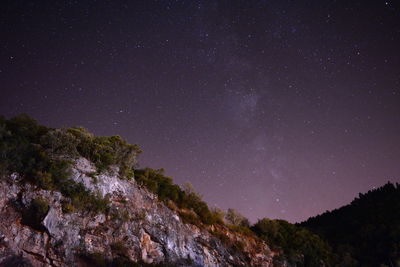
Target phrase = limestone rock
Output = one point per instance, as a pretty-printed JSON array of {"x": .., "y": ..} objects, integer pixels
[{"x": 149, "y": 231}]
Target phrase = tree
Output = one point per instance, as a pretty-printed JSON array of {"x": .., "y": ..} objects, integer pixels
[{"x": 235, "y": 218}]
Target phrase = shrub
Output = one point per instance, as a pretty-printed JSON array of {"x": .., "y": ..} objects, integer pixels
[
  {"x": 120, "y": 215},
  {"x": 106, "y": 151},
  {"x": 35, "y": 213},
  {"x": 235, "y": 218},
  {"x": 60, "y": 142},
  {"x": 38, "y": 154},
  {"x": 222, "y": 237},
  {"x": 241, "y": 229},
  {"x": 299, "y": 245},
  {"x": 234, "y": 245},
  {"x": 156, "y": 182},
  {"x": 82, "y": 199},
  {"x": 67, "y": 207},
  {"x": 189, "y": 217},
  {"x": 44, "y": 180}
]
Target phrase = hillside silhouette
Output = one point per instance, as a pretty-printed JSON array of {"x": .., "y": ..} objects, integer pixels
[{"x": 367, "y": 231}]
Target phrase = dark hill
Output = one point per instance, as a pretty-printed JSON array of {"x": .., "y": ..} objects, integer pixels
[{"x": 367, "y": 231}]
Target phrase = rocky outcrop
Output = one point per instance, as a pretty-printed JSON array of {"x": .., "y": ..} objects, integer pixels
[{"x": 138, "y": 227}]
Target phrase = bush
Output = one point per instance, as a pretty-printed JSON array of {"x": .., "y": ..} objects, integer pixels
[
  {"x": 299, "y": 245},
  {"x": 161, "y": 185},
  {"x": 67, "y": 207},
  {"x": 60, "y": 142},
  {"x": 44, "y": 180},
  {"x": 241, "y": 229},
  {"x": 189, "y": 217},
  {"x": 39, "y": 155},
  {"x": 234, "y": 245},
  {"x": 35, "y": 213},
  {"x": 106, "y": 151},
  {"x": 218, "y": 215},
  {"x": 233, "y": 217},
  {"x": 82, "y": 199}
]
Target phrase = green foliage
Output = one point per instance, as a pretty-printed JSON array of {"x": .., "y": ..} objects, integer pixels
[
  {"x": 300, "y": 246},
  {"x": 241, "y": 229},
  {"x": 190, "y": 217},
  {"x": 67, "y": 207},
  {"x": 122, "y": 215},
  {"x": 42, "y": 156},
  {"x": 222, "y": 237},
  {"x": 44, "y": 179},
  {"x": 232, "y": 244},
  {"x": 218, "y": 214},
  {"x": 33, "y": 151},
  {"x": 158, "y": 183},
  {"x": 367, "y": 231},
  {"x": 19, "y": 147},
  {"x": 82, "y": 199},
  {"x": 105, "y": 151},
  {"x": 60, "y": 142},
  {"x": 35, "y": 213},
  {"x": 40, "y": 206},
  {"x": 233, "y": 217}
]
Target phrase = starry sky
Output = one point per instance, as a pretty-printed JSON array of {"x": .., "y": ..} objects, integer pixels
[{"x": 279, "y": 109}]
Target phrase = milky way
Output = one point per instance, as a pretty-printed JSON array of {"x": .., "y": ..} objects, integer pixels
[{"x": 279, "y": 109}]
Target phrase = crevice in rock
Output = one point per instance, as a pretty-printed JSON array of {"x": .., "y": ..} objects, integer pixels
[{"x": 37, "y": 256}]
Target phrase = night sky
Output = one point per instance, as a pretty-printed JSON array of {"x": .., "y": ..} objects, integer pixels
[{"x": 279, "y": 109}]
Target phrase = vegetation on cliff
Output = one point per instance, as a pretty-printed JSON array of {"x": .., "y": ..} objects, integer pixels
[
  {"x": 300, "y": 246},
  {"x": 163, "y": 186},
  {"x": 43, "y": 156}
]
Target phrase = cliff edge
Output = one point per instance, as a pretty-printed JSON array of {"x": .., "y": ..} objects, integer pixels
[{"x": 137, "y": 228}]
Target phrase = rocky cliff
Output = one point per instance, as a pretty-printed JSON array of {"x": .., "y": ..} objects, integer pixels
[{"x": 137, "y": 228}]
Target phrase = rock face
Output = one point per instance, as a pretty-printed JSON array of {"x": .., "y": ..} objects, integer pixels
[{"x": 139, "y": 227}]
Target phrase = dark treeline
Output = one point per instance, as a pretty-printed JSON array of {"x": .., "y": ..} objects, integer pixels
[{"x": 367, "y": 231}]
